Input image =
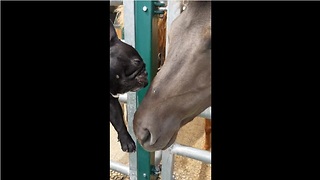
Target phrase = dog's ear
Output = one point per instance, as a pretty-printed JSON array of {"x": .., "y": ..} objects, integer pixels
[{"x": 113, "y": 34}]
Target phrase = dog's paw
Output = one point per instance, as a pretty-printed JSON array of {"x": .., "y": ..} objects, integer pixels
[{"x": 127, "y": 144}]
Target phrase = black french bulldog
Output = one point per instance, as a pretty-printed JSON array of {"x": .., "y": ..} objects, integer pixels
[{"x": 127, "y": 73}]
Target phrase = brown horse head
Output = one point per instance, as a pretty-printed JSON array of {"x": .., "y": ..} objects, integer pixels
[{"x": 182, "y": 88}]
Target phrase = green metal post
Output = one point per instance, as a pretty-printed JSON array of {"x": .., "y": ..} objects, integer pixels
[{"x": 146, "y": 44}]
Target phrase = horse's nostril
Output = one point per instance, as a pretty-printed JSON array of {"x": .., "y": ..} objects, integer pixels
[{"x": 146, "y": 135}]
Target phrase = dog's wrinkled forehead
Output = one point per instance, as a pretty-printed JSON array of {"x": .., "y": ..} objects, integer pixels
[
  {"x": 120, "y": 50},
  {"x": 124, "y": 59}
]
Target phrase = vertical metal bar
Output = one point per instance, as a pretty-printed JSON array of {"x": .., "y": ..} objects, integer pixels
[
  {"x": 131, "y": 109},
  {"x": 167, "y": 164},
  {"x": 146, "y": 41},
  {"x": 158, "y": 157},
  {"x": 129, "y": 36},
  {"x": 129, "y": 22}
]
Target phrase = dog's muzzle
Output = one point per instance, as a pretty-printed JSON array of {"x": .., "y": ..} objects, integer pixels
[{"x": 143, "y": 78}]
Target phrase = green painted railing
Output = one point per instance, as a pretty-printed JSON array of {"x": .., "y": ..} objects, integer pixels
[{"x": 146, "y": 44}]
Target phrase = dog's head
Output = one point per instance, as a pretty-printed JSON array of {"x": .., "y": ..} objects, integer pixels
[{"x": 127, "y": 69}]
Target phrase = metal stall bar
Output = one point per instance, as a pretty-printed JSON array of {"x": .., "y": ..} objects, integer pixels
[
  {"x": 190, "y": 152},
  {"x": 205, "y": 114},
  {"x": 129, "y": 37},
  {"x": 146, "y": 43},
  {"x": 123, "y": 98},
  {"x": 186, "y": 151},
  {"x": 119, "y": 167}
]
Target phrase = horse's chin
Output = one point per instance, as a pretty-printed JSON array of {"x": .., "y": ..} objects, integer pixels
[
  {"x": 161, "y": 144},
  {"x": 172, "y": 140}
]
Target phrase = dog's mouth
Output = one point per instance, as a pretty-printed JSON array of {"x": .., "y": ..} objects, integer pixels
[
  {"x": 143, "y": 76},
  {"x": 141, "y": 79}
]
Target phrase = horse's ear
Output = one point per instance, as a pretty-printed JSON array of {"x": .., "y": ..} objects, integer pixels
[{"x": 113, "y": 34}]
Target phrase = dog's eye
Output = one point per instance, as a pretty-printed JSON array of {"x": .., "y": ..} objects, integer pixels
[{"x": 137, "y": 61}]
